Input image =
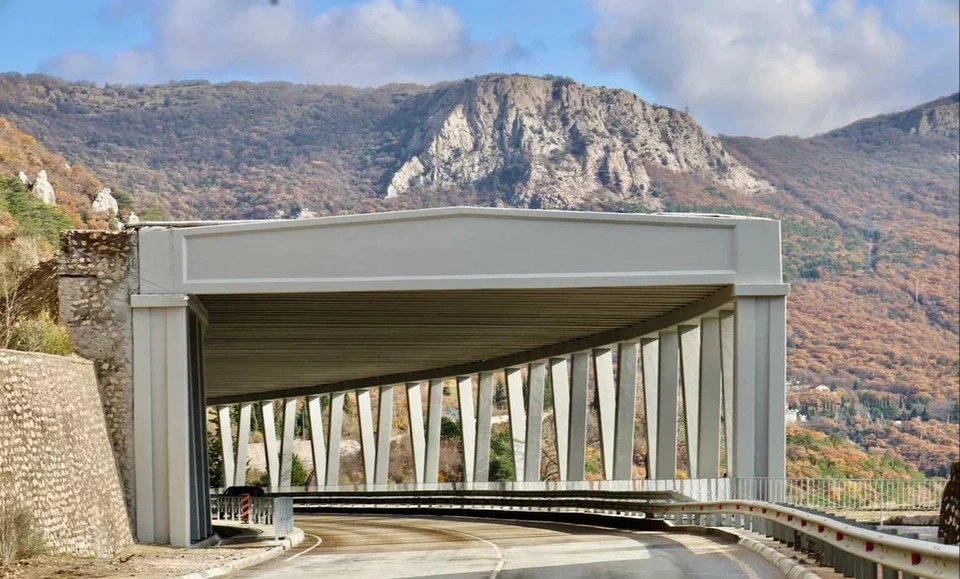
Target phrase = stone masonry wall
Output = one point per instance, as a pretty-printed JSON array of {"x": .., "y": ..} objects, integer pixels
[
  {"x": 55, "y": 456},
  {"x": 98, "y": 272},
  {"x": 949, "y": 529}
]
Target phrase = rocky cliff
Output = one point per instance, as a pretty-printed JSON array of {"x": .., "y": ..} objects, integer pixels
[{"x": 553, "y": 143}]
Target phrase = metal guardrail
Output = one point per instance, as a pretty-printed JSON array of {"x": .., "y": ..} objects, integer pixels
[
  {"x": 852, "y": 550},
  {"x": 269, "y": 511}
]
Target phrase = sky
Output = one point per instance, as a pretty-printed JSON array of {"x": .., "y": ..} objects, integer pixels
[{"x": 743, "y": 67}]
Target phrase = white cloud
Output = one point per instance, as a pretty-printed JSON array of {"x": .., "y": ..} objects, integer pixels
[
  {"x": 370, "y": 43},
  {"x": 765, "y": 67}
]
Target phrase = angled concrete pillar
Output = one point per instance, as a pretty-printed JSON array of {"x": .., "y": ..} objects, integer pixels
[
  {"x": 481, "y": 469},
  {"x": 536, "y": 376},
  {"x": 415, "y": 418},
  {"x": 650, "y": 358},
  {"x": 333, "y": 441},
  {"x": 726, "y": 370},
  {"x": 367, "y": 442},
  {"x": 669, "y": 378},
  {"x": 243, "y": 442},
  {"x": 434, "y": 411},
  {"x": 270, "y": 445},
  {"x": 468, "y": 425},
  {"x": 226, "y": 444},
  {"x": 560, "y": 387},
  {"x": 626, "y": 410},
  {"x": 384, "y": 431},
  {"x": 606, "y": 398},
  {"x": 318, "y": 447},
  {"x": 711, "y": 399},
  {"x": 579, "y": 382},
  {"x": 286, "y": 441},
  {"x": 518, "y": 418},
  {"x": 690, "y": 375},
  {"x": 760, "y": 386}
]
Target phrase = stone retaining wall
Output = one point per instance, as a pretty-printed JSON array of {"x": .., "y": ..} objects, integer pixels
[
  {"x": 950, "y": 508},
  {"x": 56, "y": 458}
]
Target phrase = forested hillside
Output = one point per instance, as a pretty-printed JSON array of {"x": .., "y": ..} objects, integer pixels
[{"x": 870, "y": 211}]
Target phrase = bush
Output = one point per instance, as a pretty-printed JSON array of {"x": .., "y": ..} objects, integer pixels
[
  {"x": 19, "y": 537},
  {"x": 40, "y": 334}
]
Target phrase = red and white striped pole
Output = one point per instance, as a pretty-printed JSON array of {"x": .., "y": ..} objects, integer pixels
[{"x": 244, "y": 508}]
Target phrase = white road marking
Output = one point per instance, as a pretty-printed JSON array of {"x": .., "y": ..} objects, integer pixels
[
  {"x": 501, "y": 559},
  {"x": 314, "y": 546}
]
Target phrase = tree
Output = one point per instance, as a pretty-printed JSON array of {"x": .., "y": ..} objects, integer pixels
[{"x": 16, "y": 260}]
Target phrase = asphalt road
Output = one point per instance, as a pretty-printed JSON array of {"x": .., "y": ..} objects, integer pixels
[{"x": 378, "y": 546}]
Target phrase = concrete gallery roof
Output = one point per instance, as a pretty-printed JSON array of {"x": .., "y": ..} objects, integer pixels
[{"x": 333, "y": 303}]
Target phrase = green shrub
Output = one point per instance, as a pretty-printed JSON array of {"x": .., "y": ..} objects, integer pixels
[
  {"x": 19, "y": 537},
  {"x": 41, "y": 334}
]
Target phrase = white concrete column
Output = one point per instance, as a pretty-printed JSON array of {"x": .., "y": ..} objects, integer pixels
[
  {"x": 286, "y": 441},
  {"x": 481, "y": 469},
  {"x": 434, "y": 411},
  {"x": 579, "y": 383},
  {"x": 415, "y": 418},
  {"x": 384, "y": 432},
  {"x": 468, "y": 425},
  {"x": 760, "y": 387},
  {"x": 536, "y": 376},
  {"x": 161, "y": 391},
  {"x": 243, "y": 442},
  {"x": 669, "y": 371},
  {"x": 690, "y": 374},
  {"x": 270, "y": 445},
  {"x": 318, "y": 447},
  {"x": 367, "y": 443},
  {"x": 726, "y": 369},
  {"x": 626, "y": 410},
  {"x": 226, "y": 444},
  {"x": 650, "y": 358},
  {"x": 333, "y": 441},
  {"x": 711, "y": 399},
  {"x": 518, "y": 418},
  {"x": 560, "y": 386},
  {"x": 606, "y": 397}
]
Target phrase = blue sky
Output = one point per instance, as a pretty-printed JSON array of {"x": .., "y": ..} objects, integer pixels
[{"x": 756, "y": 67}]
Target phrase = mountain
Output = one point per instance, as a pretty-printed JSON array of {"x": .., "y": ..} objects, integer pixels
[{"x": 870, "y": 211}]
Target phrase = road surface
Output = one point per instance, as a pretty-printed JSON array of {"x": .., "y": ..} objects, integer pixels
[{"x": 380, "y": 546}]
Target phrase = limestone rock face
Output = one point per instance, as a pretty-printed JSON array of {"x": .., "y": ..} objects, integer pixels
[
  {"x": 306, "y": 214},
  {"x": 43, "y": 190},
  {"x": 105, "y": 203},
  {"x": 553, "y": 143},
  {"x": 24, "y": 179},
  {"x": 132, "y": 219},
  {"x": 949, "y": 529}
]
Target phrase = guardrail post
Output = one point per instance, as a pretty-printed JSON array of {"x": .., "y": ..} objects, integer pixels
[
  {"x": 869, "y": 569},
  {"x": 839, "y": 559},
  {"x": 889, "y": 573},
  {"x": 849, "y": 565}
]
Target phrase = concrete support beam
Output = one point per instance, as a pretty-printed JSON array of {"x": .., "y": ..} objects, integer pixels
[
  {"x": 434, "y": 411},
  {"x": 669, "y": 378},
  {"x": 579, "y": 382},
  {"x": 536, "y": 376},
  {"x": 606, "y": 398},
  {"x": 270, "y": 445},
  {"x": 286, "y": 441},
  {"x": 318, "y": 447},
  {"x": 384, "y": 432},
  {"x": 650, "y": 358},
  {"x": 711, "y": 399},
  {"x": 518, "y": 422},
  {"x": 560, "y": 387},
  {"x": 226, "y": 444},
  {"x": 481, "y": 469},
  {"x": 468, "y": 425},
  {"x": 690, "y": 373},
  {"x": 760, "y": 387},
  {"x": 333, "y": 441},
  {"x": 161, "y": 384},
  {"x": 626, "y": 410},
  {"x": 726, "y": 370},
  {"x": 243, "y": 442},
  {"x": 367, "y": 441},
  {"x": 417, "y": 438}
]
